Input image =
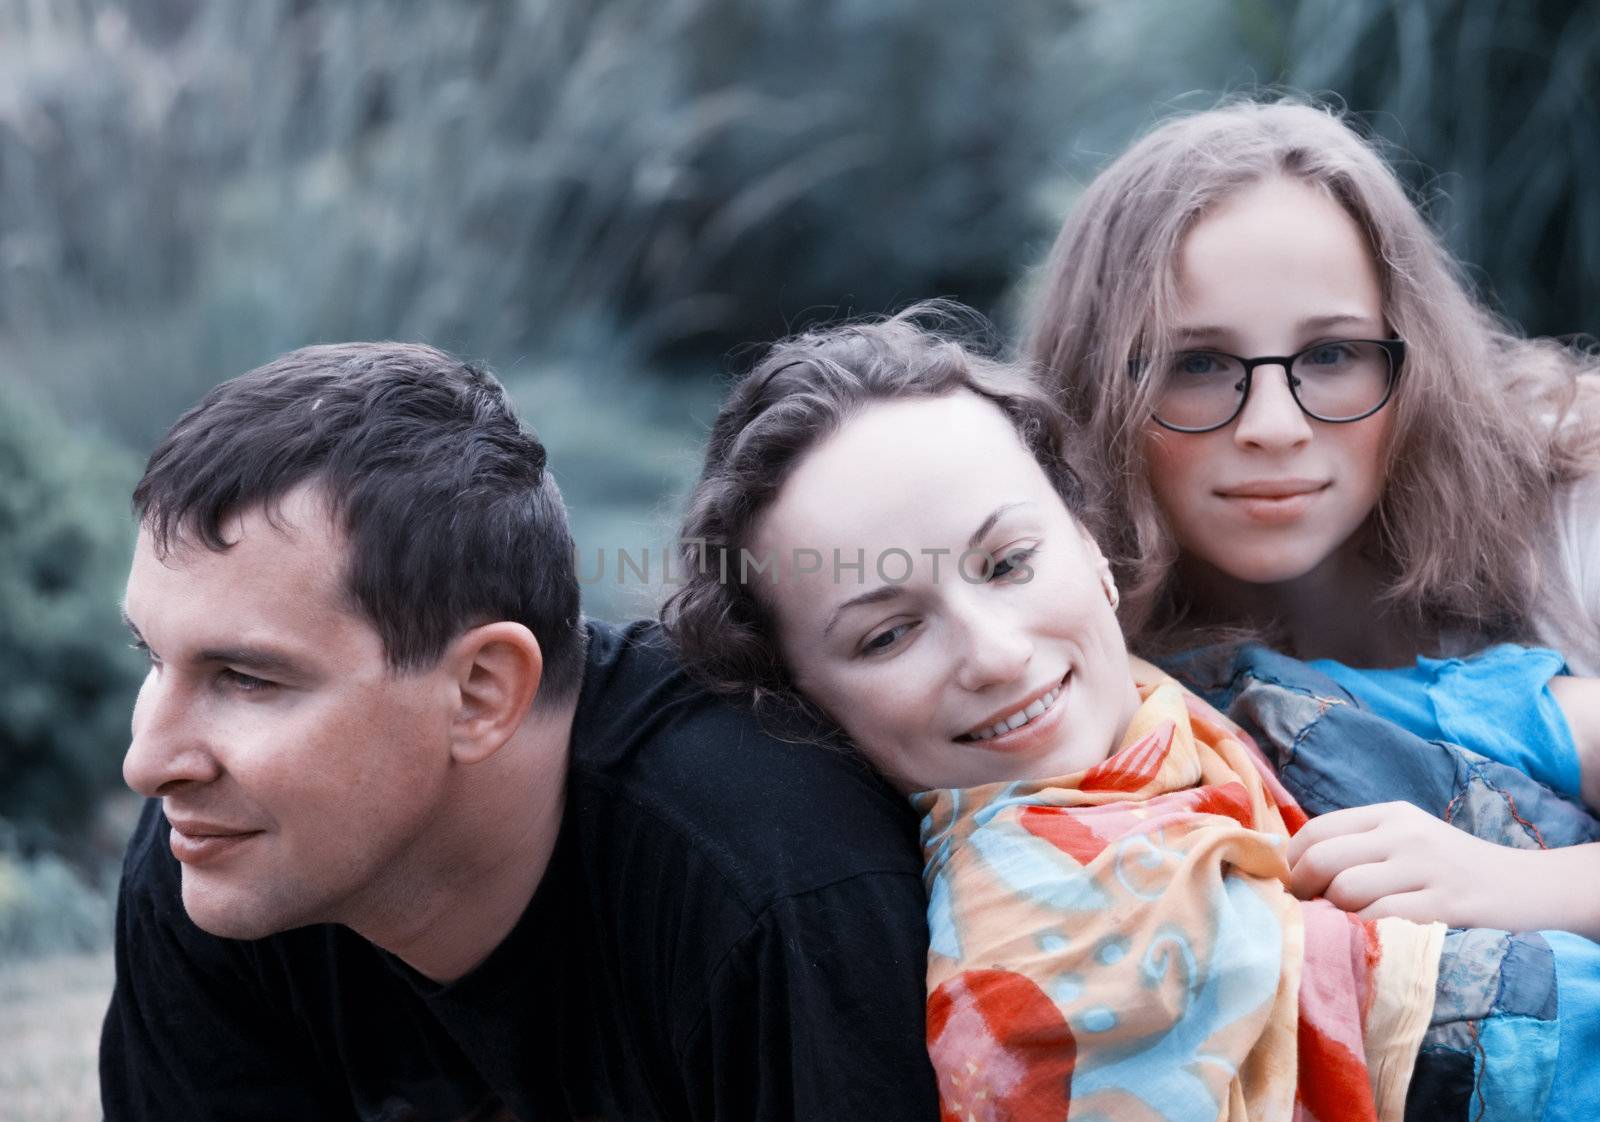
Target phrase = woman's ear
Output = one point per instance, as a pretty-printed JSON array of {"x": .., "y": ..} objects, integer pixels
[
  {"x": 1108, "y": 583},
  {"x": 497, "y": 669}
]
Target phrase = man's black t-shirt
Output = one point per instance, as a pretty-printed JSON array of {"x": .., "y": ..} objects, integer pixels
[{"x": 731, "y": 927}]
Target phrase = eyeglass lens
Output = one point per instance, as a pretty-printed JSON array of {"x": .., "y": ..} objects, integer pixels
[{"x": 1335, "y": 381}]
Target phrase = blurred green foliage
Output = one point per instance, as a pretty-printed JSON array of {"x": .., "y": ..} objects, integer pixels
[
  {"x": 47, "y": 906},
  {"x": 600, "y": 198},
  {"x": 190, "y": 189},
  {"x": 1494, "y": 105},
  {"x": 67, "y": 678}
]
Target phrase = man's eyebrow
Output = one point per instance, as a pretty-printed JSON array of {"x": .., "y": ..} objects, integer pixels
[{"x": 262, "y": 659}]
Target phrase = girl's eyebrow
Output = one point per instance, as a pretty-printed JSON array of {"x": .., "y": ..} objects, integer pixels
[
  {"x": 1310, "y": 323},
  {"x": 890, "y": 591},
  {"x": 1338, "y": 319}
]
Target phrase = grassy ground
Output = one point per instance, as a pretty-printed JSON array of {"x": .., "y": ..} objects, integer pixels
[{"x": 50, "y": 1011}]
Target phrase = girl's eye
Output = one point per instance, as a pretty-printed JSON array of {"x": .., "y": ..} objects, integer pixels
[
  {"x": 886, "y": 638},
  {"x": 144, "y": 648},
  {"x": 1195, "y": 364},
  {"x": 1328, "y": 354}
]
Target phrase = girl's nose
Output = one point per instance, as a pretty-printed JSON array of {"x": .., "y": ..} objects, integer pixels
[{"x": 1272, "y": 418}]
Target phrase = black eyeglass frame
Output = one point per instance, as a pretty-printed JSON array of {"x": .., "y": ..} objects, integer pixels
[{"x": 1394, "y": 348}]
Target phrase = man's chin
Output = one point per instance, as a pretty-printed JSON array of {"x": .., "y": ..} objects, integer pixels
[{"x": 231, "y": 914}]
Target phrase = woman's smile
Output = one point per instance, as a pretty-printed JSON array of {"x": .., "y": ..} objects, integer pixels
[{"x": 1024, "y": 716}]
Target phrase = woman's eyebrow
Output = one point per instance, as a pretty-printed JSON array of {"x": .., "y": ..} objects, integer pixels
[
  {"x": 988, "y": 523},
  {"x": 890, "y": 591},
  {"x": 875, "y": 596}
]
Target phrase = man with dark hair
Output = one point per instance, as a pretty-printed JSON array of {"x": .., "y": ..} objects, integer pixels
[{"x": 422, "y": 843}]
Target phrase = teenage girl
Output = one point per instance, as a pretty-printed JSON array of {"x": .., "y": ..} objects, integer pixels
[{"x": 1309, "y": 430}]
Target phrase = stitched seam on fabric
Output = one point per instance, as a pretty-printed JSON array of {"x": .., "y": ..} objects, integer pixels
[
  {"x": 1480, "y": 1061},
  {"x": 1511, "y": 805}
]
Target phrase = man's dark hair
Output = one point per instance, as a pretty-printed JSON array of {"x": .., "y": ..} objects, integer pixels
[{"x": 450, "y": 518}]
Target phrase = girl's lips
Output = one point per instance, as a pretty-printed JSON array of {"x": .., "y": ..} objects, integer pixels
[{"x": 1269, "y": 509}]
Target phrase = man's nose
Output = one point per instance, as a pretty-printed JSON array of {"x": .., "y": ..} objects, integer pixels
[
  {"x": 1271, "y": 418},
  {"x": 167, "y": 750},
  {"x": 995, "y": 649}
]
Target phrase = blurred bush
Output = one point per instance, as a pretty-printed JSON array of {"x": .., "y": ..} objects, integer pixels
[
  {"x": 599, "y": 198},
  {"x": 48, "y": 907},
  {"x": 190, "y": 189},
  {"x": 1495, "y": 105},
  {"x": 67, "y": 678}
]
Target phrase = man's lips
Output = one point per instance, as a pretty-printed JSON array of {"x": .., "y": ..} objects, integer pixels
[{"x": 194, "y": 841}]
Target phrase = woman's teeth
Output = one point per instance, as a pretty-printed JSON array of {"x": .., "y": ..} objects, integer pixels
[{"x": 1017, "y": 719}]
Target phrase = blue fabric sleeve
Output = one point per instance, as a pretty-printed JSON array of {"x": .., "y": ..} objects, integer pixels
[
  {"x": 1575, "y": 1089},
  {"x": 1496, "y": 703}
]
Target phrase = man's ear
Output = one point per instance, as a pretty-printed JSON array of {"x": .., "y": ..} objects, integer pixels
[{"x": 497, "y": 669}]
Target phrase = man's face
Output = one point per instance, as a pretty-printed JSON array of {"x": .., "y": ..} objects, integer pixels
[{"x": 304, "y": 782}]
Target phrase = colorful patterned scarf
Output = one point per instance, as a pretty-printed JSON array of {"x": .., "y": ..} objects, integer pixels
[{"x": 1122, "y": 944}]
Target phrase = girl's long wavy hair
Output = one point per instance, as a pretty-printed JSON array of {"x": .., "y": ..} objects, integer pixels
[
  {"x": 1486, "y": 422},
  {"x": 801, "y": 392}
]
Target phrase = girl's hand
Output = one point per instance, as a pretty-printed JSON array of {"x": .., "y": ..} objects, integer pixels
[{"x": 1393, "y": 859}]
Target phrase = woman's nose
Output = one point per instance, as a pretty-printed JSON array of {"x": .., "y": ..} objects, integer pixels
[{"x": 996, "y": 650}]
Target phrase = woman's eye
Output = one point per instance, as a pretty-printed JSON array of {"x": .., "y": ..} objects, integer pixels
[
  {"x": 885, "y": 639},
  {"x": 1011, "y": 563}
]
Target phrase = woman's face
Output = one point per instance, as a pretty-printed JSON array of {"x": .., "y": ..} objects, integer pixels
[
  {"x": 1274, "y": 496},
  {"x": 931, "y": 590}
]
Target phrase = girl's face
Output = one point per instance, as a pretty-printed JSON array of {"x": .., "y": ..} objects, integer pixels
[
  {"x": 1273, "y": 497},
  {"x": 931, "y": 591}
]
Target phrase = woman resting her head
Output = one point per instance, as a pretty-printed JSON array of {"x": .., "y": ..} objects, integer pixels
[
  {"x": 887, "y": 529},
  {"x": 1311, "y": 431}
]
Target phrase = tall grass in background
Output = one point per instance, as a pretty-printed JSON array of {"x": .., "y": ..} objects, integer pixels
[
  {"x": 601, "y": 198},
  {"x": 1496, "y": 105},
  {"x": 191, "y": 188}
]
